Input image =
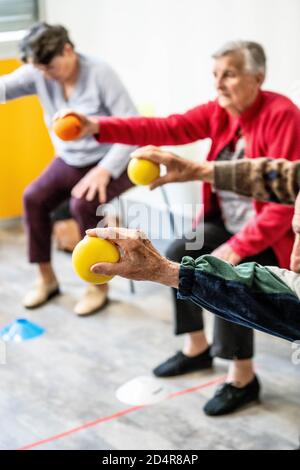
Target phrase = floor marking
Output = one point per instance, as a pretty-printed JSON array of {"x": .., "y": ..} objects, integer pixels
[{"x": 119, "y": 414}]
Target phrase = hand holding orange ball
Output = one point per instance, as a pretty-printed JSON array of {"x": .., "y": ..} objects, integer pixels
[{"x": 67, "y": 127}]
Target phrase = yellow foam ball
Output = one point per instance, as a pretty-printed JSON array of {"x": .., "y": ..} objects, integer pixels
[
  {"x": 142, "y": 172},
  {"x": 92, "y": 250}
]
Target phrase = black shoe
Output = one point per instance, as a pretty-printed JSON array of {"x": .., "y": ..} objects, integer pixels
[
  {"x": 181, "y": 364},
  {"x": 229, "y": 398}
]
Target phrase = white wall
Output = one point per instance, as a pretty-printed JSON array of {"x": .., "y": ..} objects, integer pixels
[{"x": 162, "y": 48}]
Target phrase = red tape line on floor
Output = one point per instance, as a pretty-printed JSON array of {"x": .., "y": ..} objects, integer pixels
[{"x": 119, "y": 414}]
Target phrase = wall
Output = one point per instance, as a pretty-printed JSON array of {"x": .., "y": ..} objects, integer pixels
[
  {"x": 162, "y": 48},
  {"x": 25, "y": 147}
]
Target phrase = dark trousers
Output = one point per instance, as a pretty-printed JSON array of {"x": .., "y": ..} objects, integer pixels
[
  {"x": 47, "y": 192},
  {"x": 230, "y": 341}
]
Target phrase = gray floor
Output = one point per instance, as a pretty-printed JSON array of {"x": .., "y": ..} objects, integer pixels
[{"x": 68, "y": 377}]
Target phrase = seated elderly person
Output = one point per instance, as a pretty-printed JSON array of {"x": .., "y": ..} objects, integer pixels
[
  {"x": 243, "y": 121},
  {"x": 83, "y": 172}
]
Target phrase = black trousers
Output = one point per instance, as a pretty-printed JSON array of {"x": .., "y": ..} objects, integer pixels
[{"x": 230, "y": 341}]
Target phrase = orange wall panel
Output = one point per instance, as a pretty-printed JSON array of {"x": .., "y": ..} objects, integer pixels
[{"x": 25, "y": 146}]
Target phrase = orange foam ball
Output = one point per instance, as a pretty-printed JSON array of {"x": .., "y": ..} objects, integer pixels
[{"x": 67, "y": 128}]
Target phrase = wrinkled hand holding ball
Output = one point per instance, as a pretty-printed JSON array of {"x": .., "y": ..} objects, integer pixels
[
  {"x": 92, "y": 250},
  {"x": 67, "y": 128},
  {"x": 142, "y": 172}
]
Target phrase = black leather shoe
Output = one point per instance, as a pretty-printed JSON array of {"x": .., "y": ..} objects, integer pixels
[
  {"x": 181, "y": 364},
  {"x": 229, "y": 398}
]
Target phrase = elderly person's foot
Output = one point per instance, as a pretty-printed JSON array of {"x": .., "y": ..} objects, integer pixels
[
  {"x": 40, "y": 293},
  {"x": 229, "y": 398},
  {"x": 93, "y": 300},
  {"x": 194, "y": 356},
  {"x": 180, "y": 364}
]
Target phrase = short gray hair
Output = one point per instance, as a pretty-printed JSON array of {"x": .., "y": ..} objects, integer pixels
[{"x": 254, "y": 54}]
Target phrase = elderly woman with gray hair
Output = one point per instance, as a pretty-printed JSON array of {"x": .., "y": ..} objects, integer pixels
[{"x": 243, "y": 121}]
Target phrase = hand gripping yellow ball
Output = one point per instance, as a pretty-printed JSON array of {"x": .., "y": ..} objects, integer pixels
[
  {"x": 142, "y": 172},
  {"x": 92, "y": 250}
]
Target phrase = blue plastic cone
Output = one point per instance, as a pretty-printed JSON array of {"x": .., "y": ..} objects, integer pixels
[{"x": 21, "y": 330}]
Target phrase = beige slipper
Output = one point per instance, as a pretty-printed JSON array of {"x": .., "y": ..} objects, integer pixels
[
  {"x": 93, "y": 300},
  {"x": 40, "y": 293}
]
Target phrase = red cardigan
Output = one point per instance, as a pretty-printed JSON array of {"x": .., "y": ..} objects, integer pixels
[{"x": 271, "y": 127}]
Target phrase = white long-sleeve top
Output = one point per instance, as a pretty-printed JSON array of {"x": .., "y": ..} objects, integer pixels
[{"x": 98, "y": 91}]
